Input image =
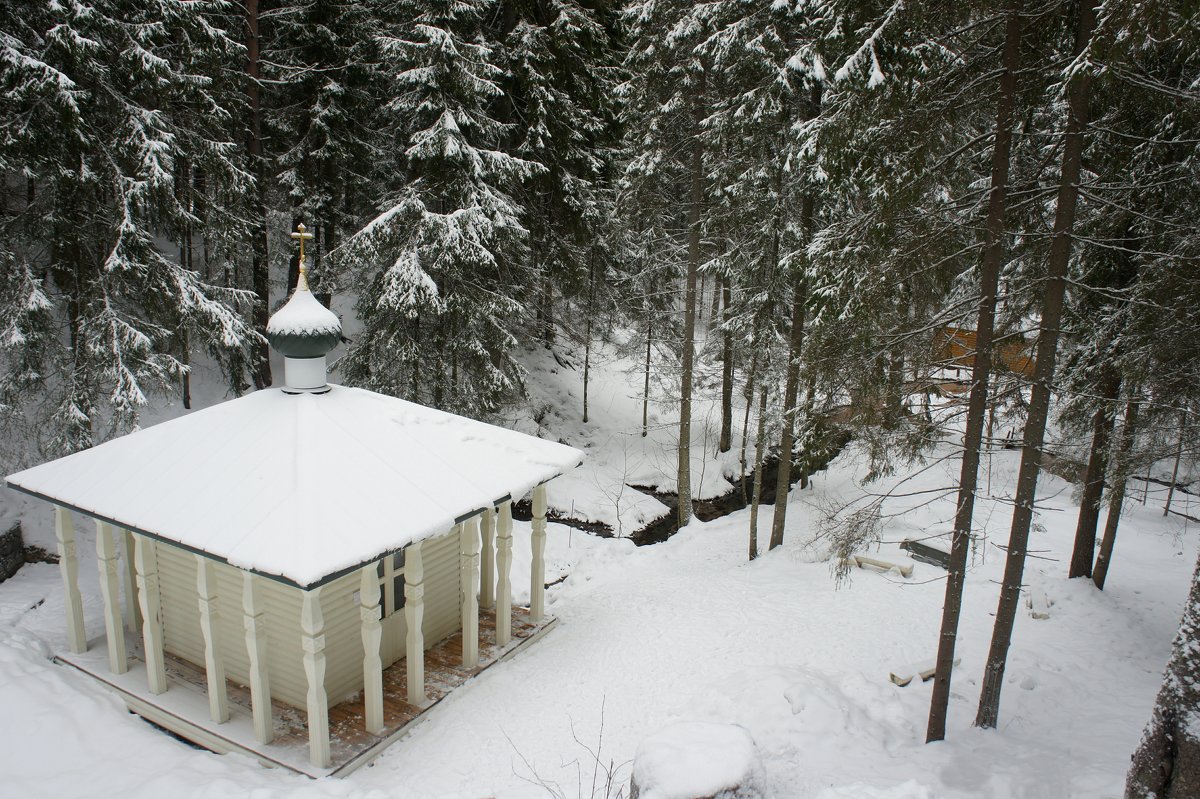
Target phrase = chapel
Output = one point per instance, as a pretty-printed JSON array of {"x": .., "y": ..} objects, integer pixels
[{"x": 299, "y": 574}]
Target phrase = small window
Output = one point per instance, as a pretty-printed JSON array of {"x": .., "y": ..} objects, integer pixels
[{"x": 391, "y": 582}]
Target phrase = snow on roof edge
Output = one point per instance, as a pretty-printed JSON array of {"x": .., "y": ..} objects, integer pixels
[{"x": 322, "y": 581}]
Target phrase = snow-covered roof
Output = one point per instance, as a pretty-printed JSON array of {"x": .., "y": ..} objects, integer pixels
[{"x": 300, "y": 487}]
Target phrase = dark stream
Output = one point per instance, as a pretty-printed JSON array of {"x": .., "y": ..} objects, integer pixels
[{"x": 706, "y": 510}]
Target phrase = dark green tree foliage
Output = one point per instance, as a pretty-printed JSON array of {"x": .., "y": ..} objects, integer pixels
[
  {"x": 324, "y": 87},
  {"x": 906, "y": 140},
  {"x": 442, "y": 269},
  {"x": 771, "y": 73},
  {"x": 1136, "y": 295},
  {"x": 101, "y": 105},
  {"x": 559, "y": 96}
]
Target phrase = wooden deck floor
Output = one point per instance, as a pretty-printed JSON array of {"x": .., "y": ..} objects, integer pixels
[{"x": 351, "y": 746}]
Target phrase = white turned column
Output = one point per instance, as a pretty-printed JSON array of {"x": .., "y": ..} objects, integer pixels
[
  {"x": 312, "y": 639},
  {"x": 372, "y": 636},
  {"x": 110, "y": 590},
  {"x": 133, "y": 614},
  {"x": 468, "y": 559},
  {"x": 256, "y": 650},
  {"x": 68, "y": 567},
  {"x": 487, "y": 559},
  {"x": 210, "y": 621},
  {"x": 537, "y": 569},
  {"x": 503, "y": 574},
  {"x": 145, "y": 558},
  {"x": 414, "y": 617}
]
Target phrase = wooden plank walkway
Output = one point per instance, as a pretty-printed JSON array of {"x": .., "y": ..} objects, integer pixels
[{"x": 351, "y": 746}]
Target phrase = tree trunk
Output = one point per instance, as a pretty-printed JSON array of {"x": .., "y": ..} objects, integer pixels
[
  {"x": 260, "y": 276},
  {"x": 684, "y": 475},
  {"x": 587, "y": 333},
  {"x": 791, "y": 393},
  {"x": 1043, "y": 377},
  {"x": 989, "y": 277},
  {"x": 1166, "y": 764},
  {"x": 726, "y": 440},
  {"x": 186, "y": 261},
  {"x": 1093, "y": 480},
  {"x": 810, "y": 393},
  {"x": 1116, "y": 499},
  {"x": 1178, "y": 457},
  {"x": 748, "y": 395},
  {"x": 760, "y": 445},
  {"x": 646, "y": 389},
  {"x": 546, "y": 314}
]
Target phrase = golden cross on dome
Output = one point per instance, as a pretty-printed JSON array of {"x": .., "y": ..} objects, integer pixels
[{"x": 302, "y": 235}]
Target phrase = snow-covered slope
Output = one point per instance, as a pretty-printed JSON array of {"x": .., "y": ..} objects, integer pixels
[{"x": 688, "y": 630}]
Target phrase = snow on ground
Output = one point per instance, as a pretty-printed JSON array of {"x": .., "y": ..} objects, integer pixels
[{"x": 689, "y": 631}]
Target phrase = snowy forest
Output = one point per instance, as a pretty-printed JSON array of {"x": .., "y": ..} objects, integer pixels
[{"x": 901, "y": 224}]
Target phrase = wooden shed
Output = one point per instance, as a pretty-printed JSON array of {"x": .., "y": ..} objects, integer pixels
[{"x": 299, "y": 574}]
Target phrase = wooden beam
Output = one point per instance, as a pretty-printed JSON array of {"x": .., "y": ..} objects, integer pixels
[
  {"x": 503, "y": 574},
  {"x": 312, "y": 640},
  {"x": 372, "y": 636},
  {"x": 145, "y": 558},
  {"x": 133, "y": 614},
  {"x": 414, "y": 617},
  {"x": 68, "y": 567},
  {"x": 210, "y": 624},
  {"x": 487, "y": 560},
  {"x": 537, "y": 568},
  {"x": 256, "y": 649},
  {"x": 110, "y": 591},
  {"x": 468, "y": 538}
]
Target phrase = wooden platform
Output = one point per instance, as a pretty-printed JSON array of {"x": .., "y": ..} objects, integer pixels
[{"x": 183, "y": 709}]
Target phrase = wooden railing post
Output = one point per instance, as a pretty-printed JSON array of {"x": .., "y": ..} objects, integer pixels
[
  {"x": 414, "y": 616},
  {"x": 503, "y": 574},
  {"x": 110, "y": 591},
  {"x": 487, "y": 560},
  {"x": 210, "y": 624},
  {"x": 133, "y": 614},
  {"x": 256, "y": 651},
  {"x": 469, "y": 586},
  {"x": 145, "y": 558},
  {"x": 68, "y": 567},
  {"x": 312, "y": 640},
  {"x": 537, "y": 569},
  {"x": 372, "y": 637}
]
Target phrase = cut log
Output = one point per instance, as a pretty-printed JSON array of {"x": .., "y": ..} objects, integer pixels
[
  {"x": 926, "y": 553},
  {"x": 1039, "y": 604},
  {"x": 862, "y": 561},
  {"x": 924, "y": 669}
]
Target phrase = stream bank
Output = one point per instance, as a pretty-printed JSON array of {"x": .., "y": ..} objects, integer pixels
[{"x": 706, "y": 510}]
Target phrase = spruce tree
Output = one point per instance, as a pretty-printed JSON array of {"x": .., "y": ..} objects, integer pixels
[
  {"x": 442, "y": 269},
  {"x": 111, "y": 104}
]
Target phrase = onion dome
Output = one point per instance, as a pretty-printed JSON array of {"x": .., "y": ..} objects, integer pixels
[
  {"x": 303, "y": 331},
  {"x": 304, "y": 328}
]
